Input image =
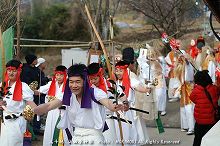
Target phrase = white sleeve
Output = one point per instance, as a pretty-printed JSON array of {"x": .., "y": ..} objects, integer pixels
[
  {"x": 174, "y": 83},
  {"x": 44, "y": 89},
  {"x": 189, "y": 73},
  {"x": 167, "y": 59},
  {"x": 99, "y": 94},
  {"x": 212, "y": 69},
  {"x": 59, "y": 95},
  {"x": 135, "y": 82},
  {"x": 27, "y": 93}
]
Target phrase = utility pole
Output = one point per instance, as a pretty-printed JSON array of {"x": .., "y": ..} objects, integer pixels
[{"x": 18, "y": 49}]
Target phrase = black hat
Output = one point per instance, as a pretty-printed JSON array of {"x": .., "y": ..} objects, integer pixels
[
  {"x": 60, "y": 68},
  {"x": 122, "y": 63},
  {"x": 200, "y": 42},
  {"x": 128, "y": 55},
  {"x": 13, "y": 63},
  {"x": 77, "y": 70},
  {"x": 30, "y": 58},
  {"x": 93, "y": 68}
]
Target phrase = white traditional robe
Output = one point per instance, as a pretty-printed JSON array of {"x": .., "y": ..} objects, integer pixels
[
  {"x": 110, "y": 134},
  {"x": 88, "y": 123},
  {"x": 12, "y": 130},
  {"x": 52, "y": 117},
  {"x": 186, "y": 112},
  {"x": 212, "y": 71},
  {"x": 135, "y": 134},
  {"x": 161, "y": 88},
  {"x": 172, "y": 80}
]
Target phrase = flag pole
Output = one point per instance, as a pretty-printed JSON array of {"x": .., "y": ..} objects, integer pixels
[
  {"x": 3, "y": 55},
  {"x": 3, "y": 71}
]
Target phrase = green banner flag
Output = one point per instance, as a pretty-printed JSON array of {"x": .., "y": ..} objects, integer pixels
[
  {"x": 8, "y": 42},
  {"x": 159, "y": 125}
]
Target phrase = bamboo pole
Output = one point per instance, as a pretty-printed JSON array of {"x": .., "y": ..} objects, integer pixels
[
  {"x": 18, "y": 49},
  {"x": 113, "y": 54},
  {"x": 54, "y": 46},
  {"x": 100, "y": 41}
]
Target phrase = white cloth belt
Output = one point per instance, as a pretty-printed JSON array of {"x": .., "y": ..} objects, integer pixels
[{"x": 86, "y": 132}]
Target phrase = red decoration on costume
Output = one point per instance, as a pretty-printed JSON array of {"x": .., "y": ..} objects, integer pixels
[
  {"x": 52, "y": 89},
  {"x": 101, "y": 80},
  {"x": 217, "y": 73},
  {"x": 193, "y": 50},
  {"x": 174, "y": 44},
  {"x": 164, "y": 35},
  {"x": 17, "y": 95},
  {"x": 126, "y": 79}
]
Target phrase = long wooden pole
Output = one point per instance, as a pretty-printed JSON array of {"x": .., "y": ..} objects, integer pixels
[
  {"x": 113, "y": 54},
  {"x": 100, "y": 41},
  {"x": 18, "y": 49},
  {"x": 107, "y": 62}
]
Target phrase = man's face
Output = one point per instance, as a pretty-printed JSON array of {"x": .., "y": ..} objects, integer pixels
[
  {"x": 43, "y": 65},
  {"x": 132, "y": 66},
  {"x": 76, "y": 85},
  {"x": 34, "y": 62},
  {"x": 119, "y": 73},
  {"x": 12, "y": 74},
  {"x": 94, "y": 80},
  {"x": 59, "y": 78}
]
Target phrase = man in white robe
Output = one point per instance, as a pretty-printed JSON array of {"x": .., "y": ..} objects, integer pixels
[
  {"x": 85, "y": 108},
  {"x": 16, "y": 98},
  {"x": 95, "y": 72},
  {"x": 132, "y": 134},
  {"x": 53, "y": 90}
]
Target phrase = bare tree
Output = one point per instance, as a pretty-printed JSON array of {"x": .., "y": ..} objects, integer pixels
[
  {"x": 100, "y": 11},
  {"x": 167, "y": 15},
  {"x": 7, "y": 13}
]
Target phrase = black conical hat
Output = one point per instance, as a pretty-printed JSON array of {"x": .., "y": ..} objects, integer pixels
[{"x": 128, "y": 55}]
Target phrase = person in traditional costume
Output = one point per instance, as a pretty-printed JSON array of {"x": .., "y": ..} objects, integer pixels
[
  {"x": 171, "y": 58},
  {"x": 53, "y": 90},
  {"x": 207, "y": 62},
  {"x": 151, "y": 71},
  {"x": 184, "y": 73},
  {"x": 96, "y": 77},
  {"x": 217, "y": 60},
  {"x": 200, "y": 44},
  {"x": 134, "y": 134},
  {"x": 129, "y": 57},
  {"x": 17, "y": 95},
  {"x": 85, "y": 108},
  {"x": 193, "y": 50},
  {"x": 161, "y": 88}
]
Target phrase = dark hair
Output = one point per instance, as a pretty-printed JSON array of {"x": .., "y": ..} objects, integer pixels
[
  {"x": 60, "y": 68},
  {"x": 202, "y": 78},
  {"x": 93, "y": 68},
  {"x": 30, "y": 58},
  {"x": 77, "y": 70},
  {"x": 13, "y": 63},
  {"x": 121, "y": 63}
]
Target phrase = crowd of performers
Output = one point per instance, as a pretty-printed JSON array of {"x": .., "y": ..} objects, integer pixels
[{"x": 85, "y": 108}]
